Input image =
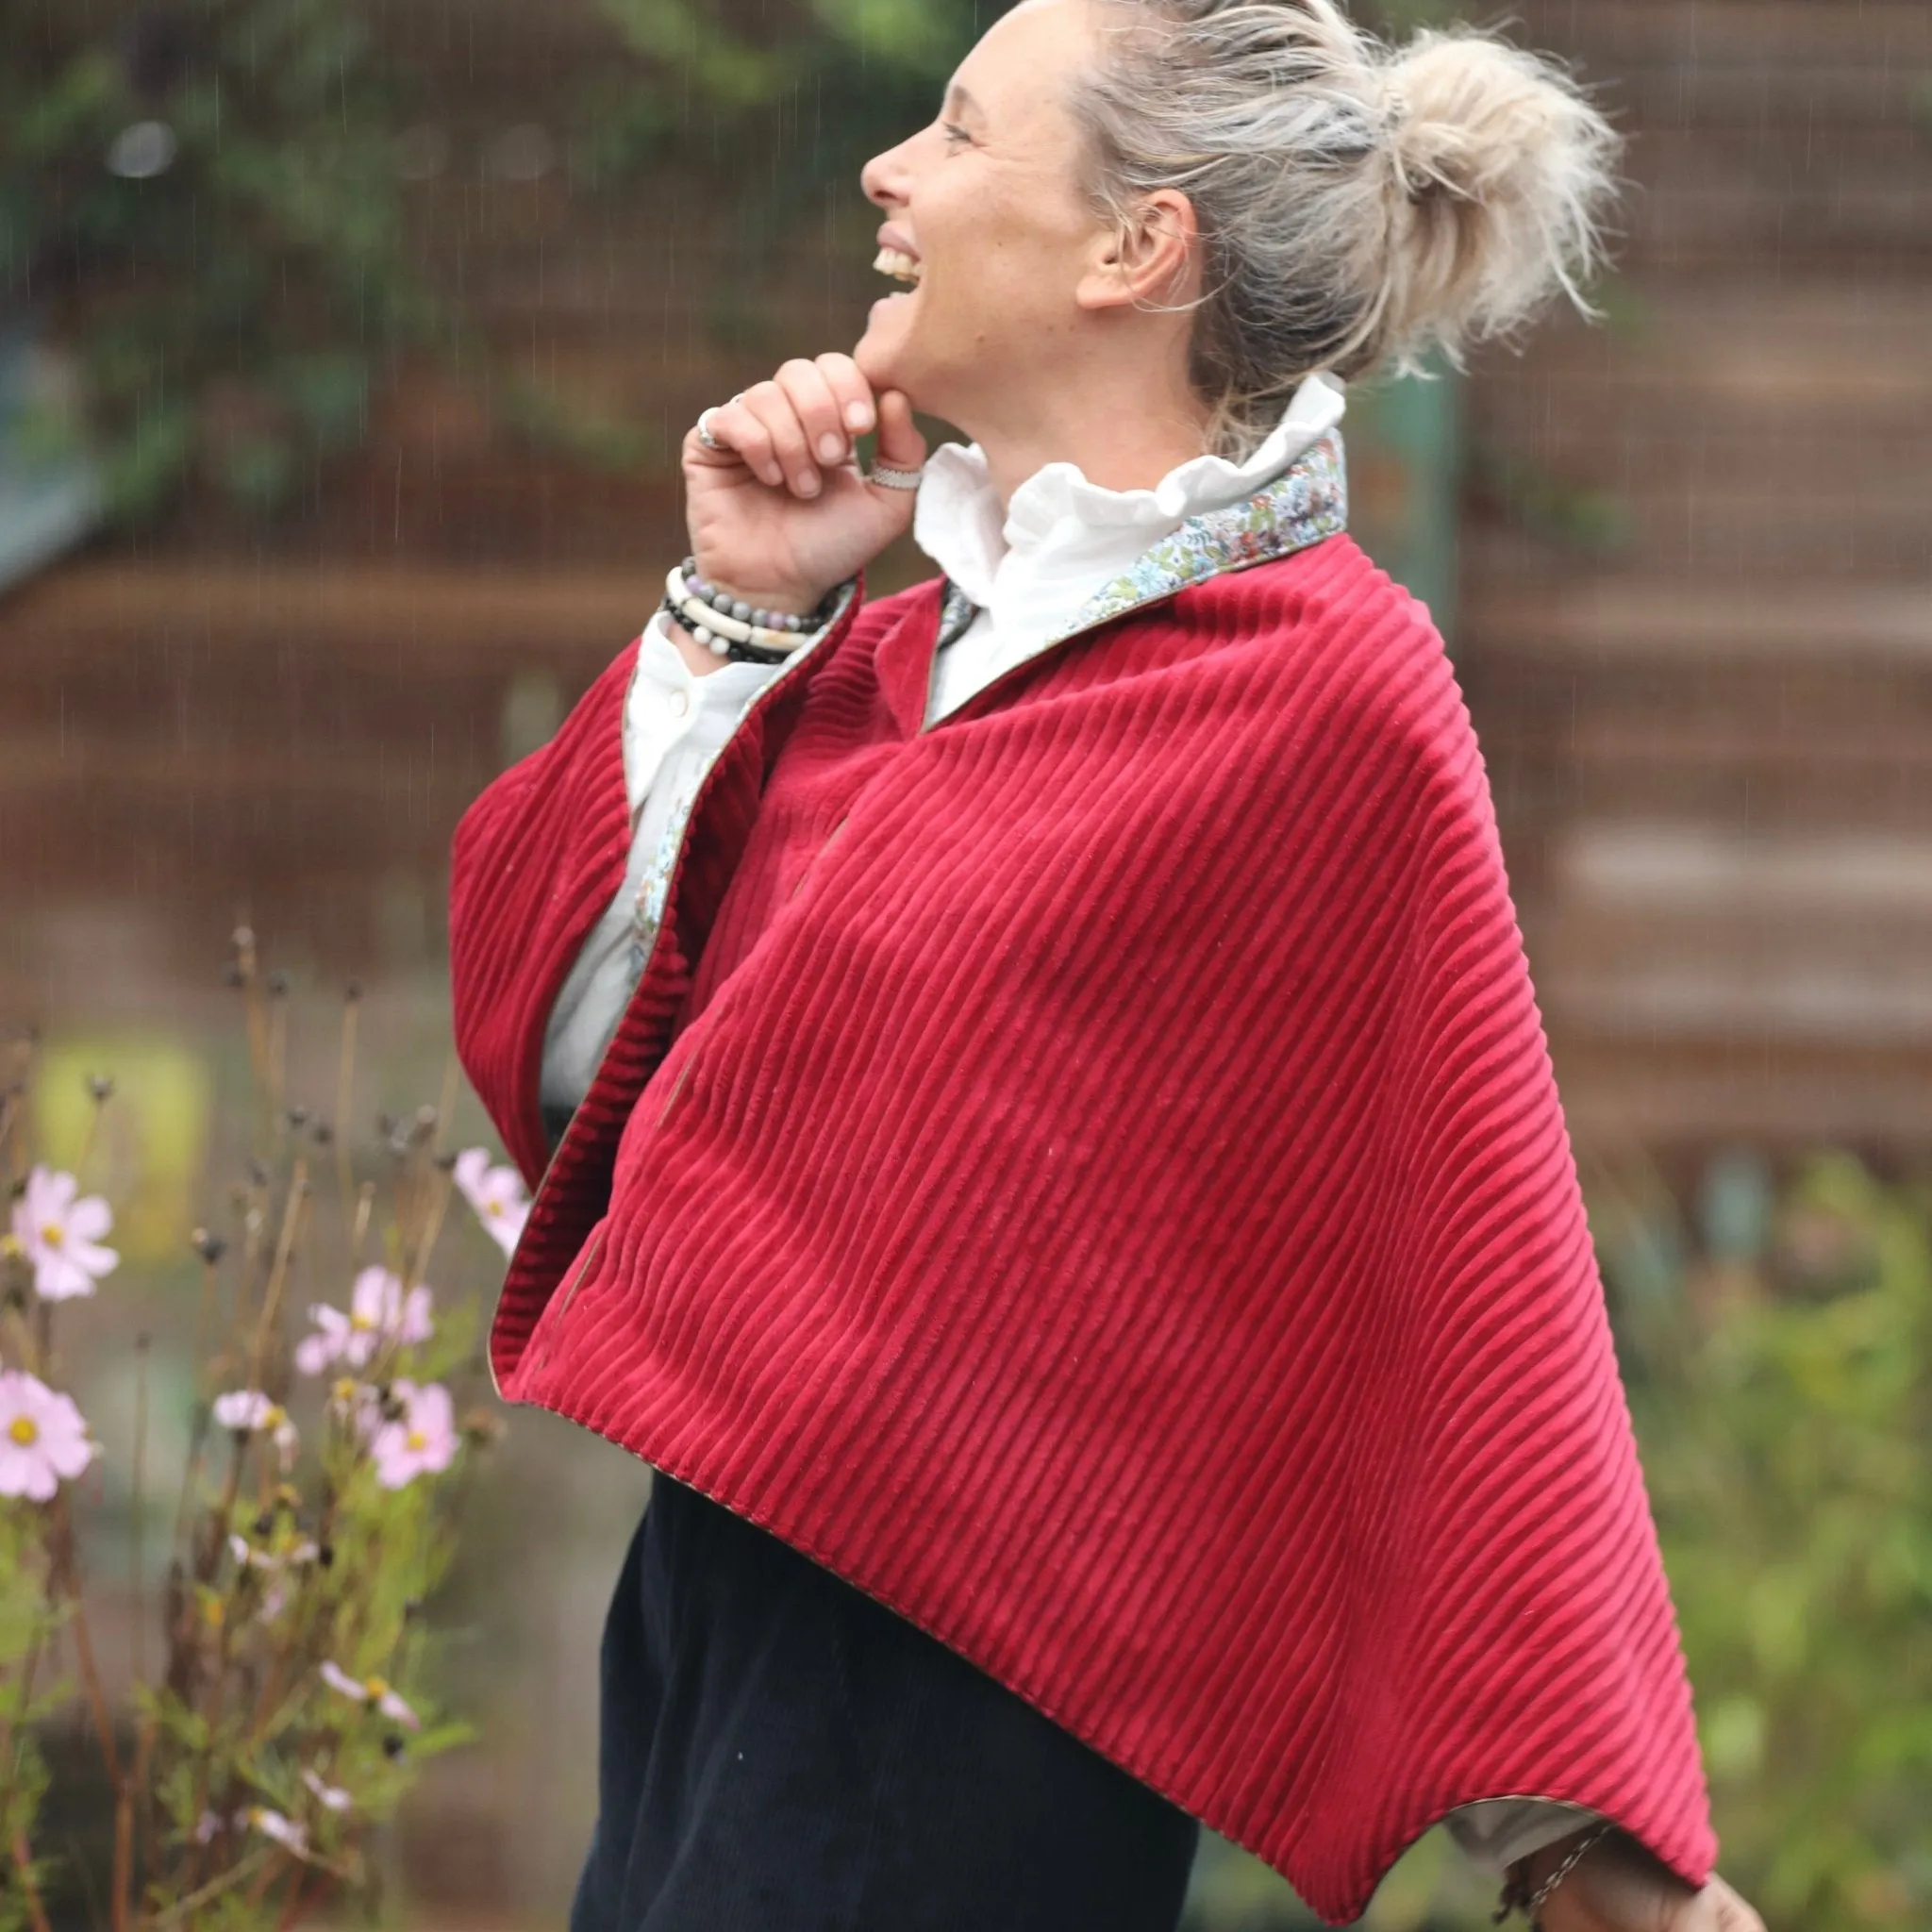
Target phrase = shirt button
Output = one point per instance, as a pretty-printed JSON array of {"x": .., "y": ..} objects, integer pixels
[{"x": 679, "y": 702}]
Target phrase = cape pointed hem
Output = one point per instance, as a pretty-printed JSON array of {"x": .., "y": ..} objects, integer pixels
[{"x": 1090, "y": 1174}]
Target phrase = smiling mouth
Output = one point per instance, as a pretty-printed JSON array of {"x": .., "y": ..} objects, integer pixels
[{"x": 899, "y": 265}]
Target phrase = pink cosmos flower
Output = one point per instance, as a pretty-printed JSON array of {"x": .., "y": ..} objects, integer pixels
[
  {"x": 380, "y": 1312},
  {"x": 420, "y": 1441},
  {"x": 331, "y": 1797},
  {"x": 248, "y": 1410},
  {"x": 60, "y": 1235},
  {"x": 42, "y": 1438},
  {"x": 285, "y": 1831},
  {"x": 497, "y": 1194},
  {"x": 244, "y": 1551},
  {"x": 375, "y": 1691}
]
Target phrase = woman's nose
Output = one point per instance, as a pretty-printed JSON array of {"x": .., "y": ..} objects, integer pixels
[{"x": 884, "y": 177}]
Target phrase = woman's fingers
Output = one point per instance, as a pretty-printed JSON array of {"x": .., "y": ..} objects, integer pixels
[
  {"x": 1733, "y": 1914},
  {"x": 900, "y": 446},
  {"x": 744, "y": 436},
  {"x": 807, "y": 420},
  {"x": 785, "y": 434},
  {"x": 819, "y": 410},
  {"x": 853, "y": 393}
]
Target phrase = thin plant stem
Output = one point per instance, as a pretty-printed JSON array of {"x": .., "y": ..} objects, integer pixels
[
  {"x": 124, "y": 1831},
  {"x": 365, "y": 1202},
  {"x": 205, "y": 1316},
  {"x": 29, "y": 1664},
  {"x": 433, "y": 1226},
  {"x": 206, "y": 1894},
  {"x": 124, "y": 1810},
  {"x": 445, "y": 1106},
  {"x": 278, "y": 1057},
  {"x": 66, "y": 1578},
  {"x": 23, "y": 1864},
  {"x": 251, "y": 996},
  {"x": 142, "y": 1354},
  {"x": 345, "y": 1088},
  {"x": 124, "y": 1857},
  {"x": 42, "y": 1362},
  {"x": 271, "y": 1301},
  {"x": 90, "y": 1134}
]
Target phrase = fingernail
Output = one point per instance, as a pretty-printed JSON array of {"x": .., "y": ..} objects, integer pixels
[
  {"x": 831, "y": 447},
  {"x": 808, "y": 482},
  {"x": 857, "y": 416}
]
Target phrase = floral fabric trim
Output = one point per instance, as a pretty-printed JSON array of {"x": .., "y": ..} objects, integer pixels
[
  {"x": 957, "y": 612},
  {"x": 647, "y": 911},
  {"x": 1308, "y": 502}
]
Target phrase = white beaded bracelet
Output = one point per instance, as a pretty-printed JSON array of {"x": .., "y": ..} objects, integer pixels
[{"x": 719, "y": 628}]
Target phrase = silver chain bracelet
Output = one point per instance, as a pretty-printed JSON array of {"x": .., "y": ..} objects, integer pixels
[{"x": 1517, "y": 1895}]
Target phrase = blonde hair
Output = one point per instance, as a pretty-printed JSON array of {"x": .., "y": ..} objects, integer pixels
[{"x": 1359, "y": 204}]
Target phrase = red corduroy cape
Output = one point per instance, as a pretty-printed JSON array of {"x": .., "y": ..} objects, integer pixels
[{"x": 1089, "y": 1172}]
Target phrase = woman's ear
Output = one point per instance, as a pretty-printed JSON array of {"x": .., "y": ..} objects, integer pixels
[{"x": 1152, "y": 258}]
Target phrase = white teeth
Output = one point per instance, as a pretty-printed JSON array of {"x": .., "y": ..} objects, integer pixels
[{"x": 899, "y": 265}]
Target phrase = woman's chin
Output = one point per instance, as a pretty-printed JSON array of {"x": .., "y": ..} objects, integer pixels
[{"x": 881, "y": 353}]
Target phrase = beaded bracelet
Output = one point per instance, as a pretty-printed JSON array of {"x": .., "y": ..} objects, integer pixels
[
  {"x": 1517, "y": 1895},
  {"x": 729, "y": 627}
]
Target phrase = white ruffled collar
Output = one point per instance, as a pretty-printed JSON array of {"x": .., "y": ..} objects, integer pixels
[{"x": 958, "y": 525}]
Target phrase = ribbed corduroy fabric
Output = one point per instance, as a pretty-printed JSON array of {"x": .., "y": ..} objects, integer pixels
[{"x": 1089, "y": 1172}]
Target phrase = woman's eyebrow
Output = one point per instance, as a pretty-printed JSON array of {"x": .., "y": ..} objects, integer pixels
[{"x": 960, "y": 102}]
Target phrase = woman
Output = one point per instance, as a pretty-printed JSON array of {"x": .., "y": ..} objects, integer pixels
[{"x": 1046, "y": 1140}]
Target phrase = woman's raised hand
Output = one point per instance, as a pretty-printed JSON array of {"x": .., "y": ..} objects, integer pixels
[
  {"x": 1618, "y": 1887},
  {"x": 781, "y": 514}
]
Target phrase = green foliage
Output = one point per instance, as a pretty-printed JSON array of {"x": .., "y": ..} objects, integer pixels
[
  {"x": 1782, "y": 1388},
  {"x": 27, "y": 1625},
  {"x": 205, "y": 203},
  {"x": 1592, "y": 522},
  {"x": 786, "y": 114},
  {"x": 806, "y": 100}
]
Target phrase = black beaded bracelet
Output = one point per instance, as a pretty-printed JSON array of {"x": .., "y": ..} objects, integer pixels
[
  {"x": 722, "y": 646},
  {"x": 731, "y": 627}
]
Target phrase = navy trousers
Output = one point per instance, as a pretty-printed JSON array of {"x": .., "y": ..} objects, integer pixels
[{"x": 781, "y": 1752}]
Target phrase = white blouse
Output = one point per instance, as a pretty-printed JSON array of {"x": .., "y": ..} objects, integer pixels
[{"x": 1029, "y": 570}]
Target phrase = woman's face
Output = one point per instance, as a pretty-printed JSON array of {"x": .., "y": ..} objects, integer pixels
[{"x": 987, "y": 200}]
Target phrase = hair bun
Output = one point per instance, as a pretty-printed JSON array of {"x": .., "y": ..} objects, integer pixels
[
  {"x": 1502, "y": 172},
  {"x": 1359, "y": 204}
]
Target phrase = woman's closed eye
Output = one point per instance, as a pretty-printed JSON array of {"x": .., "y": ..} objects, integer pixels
[{"x": 953, "y": 133}]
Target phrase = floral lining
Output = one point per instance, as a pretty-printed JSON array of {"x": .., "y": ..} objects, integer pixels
[{"x": 1308, "y": 502}]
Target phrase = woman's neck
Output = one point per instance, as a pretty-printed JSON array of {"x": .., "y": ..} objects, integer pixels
[{"x": 1117, "y": 442}]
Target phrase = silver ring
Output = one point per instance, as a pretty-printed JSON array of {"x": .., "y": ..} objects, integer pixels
[
  {"x": 705, "y": 435},
  {"x": 895, "y": 480}
]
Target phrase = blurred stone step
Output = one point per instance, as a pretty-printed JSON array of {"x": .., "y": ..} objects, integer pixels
[
  {"x": 1679, "y": 931},
  {"x": 1724, "y": 776},
  {"x": 1673, "y": 441},
  {"x": 1755, "y": 92},
  {"x": 1722, "y": 195},
  {"x": 1672, "y": 623},
  {"x": 407, "y": 621},
  {"x": 1732, "y": 344},
  {"x": 1689, "y": 868},
  {"x": 1667, "y": 1001},
  {"x": 1697, "y": 711},
  {"x": 1878, "y": 34},
  {"x": 1776, "y": 1093}
]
